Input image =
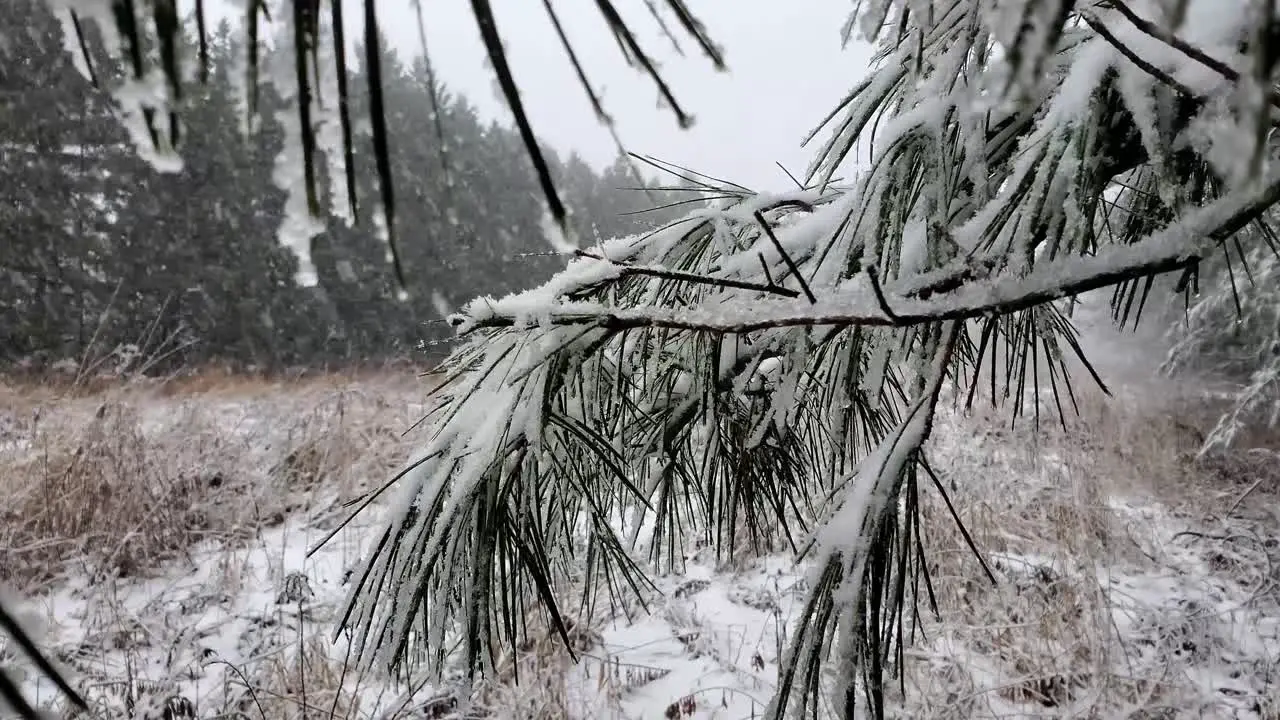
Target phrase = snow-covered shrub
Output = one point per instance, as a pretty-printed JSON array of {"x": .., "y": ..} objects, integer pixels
[{"x": 1233, "y": 331}]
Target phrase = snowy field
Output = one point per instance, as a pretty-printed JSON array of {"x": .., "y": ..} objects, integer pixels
[{"x": 159, "y": 542}]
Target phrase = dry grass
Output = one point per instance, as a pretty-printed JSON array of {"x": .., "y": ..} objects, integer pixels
[
  {"x": 119, "y": 481},
  {"x": 128, "y": 478},
  {"x": 103, "y": 490},
  {"x": 109, "y": 489},
  {"x": 1051, "y": 509},
  {"x": 295, "y": 674},
  {"x": 304, "y": 681}
]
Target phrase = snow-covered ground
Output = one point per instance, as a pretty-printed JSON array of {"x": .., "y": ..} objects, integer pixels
[{"x": 1130, "y": 585}]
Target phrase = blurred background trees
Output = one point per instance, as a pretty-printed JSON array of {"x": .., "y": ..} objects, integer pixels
[{"x": 106, "y": 261}]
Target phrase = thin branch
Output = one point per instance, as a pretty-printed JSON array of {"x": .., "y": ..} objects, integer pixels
[
  {"x": 964, "y": 530},
  {"x": 337, "y": 26},
  {"x": 666, "y": 166},
  {"x": 765, "y": 266},
  {"x": 699, "y": 33},
  {"x": 791, "y": 264},
  {"x": 783, "y": 168},
  {"x": 1168, "y": 250},
  {"x": 381, "y": 145},
  {"x": 84, "y": 47},
  {"x": 203, "y": 34},
  {"x": 12, "y": 697},
  {"x": 662, "y": 25},
  {"x": 10, "y": 626},
  {"x": 252, "y": 10},
  {"x": 1164, "y": 77},
  {"x": 304, "y": 41},
  {"x": 483, "y": 13},
  {"x": 596, "y": 105},
  {"x": 629, "y": 43},
  {"x": 677, "y": 203},
  {"x": 702, "y": 186}
]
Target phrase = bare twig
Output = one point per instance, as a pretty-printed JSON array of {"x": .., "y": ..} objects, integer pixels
[{"x": 1243, "y": 495}]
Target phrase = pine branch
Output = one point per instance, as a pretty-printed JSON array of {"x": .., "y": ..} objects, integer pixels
[
  {"x": 487, "y": 23},
  {"x": 874, "y": 278},
  {"x": 1166, "y": 251},
  {"x": 1101, "y": 28},
  {"x": 10, "y": 626}
]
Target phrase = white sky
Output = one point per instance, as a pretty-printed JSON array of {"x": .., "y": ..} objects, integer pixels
[{"x": 786, "y": 71}]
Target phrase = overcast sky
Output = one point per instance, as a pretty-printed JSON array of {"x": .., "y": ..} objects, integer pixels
[{"x": 786, "y": 72}]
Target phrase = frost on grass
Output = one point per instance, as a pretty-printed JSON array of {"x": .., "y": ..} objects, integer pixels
[
  {"x": 152, "y": 528},
  {"x": 1110, "y": 602},
  {"x": 1231, "y": 331}
]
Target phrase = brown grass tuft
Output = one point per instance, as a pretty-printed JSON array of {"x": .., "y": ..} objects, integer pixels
[
  {"x": 122, "y": 481},
  {"x": 1051, "y": 509},
  {"x": 103, "y": 491}
]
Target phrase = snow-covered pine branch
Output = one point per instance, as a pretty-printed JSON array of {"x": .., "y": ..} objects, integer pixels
[
  {"x": 980, "y": 291},
  {"x": 1020, "y": 152}
]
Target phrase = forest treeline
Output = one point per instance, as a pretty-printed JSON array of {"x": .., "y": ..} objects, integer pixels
[{"x": 104, "y": 260}]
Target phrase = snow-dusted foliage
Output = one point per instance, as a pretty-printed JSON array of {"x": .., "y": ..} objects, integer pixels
[
  {"x": 774, "y": 362},
  {"x": 149, "y": 94},
  {"x": 1233, "y": 331}
]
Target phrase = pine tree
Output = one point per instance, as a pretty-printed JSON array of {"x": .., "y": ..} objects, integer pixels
[
  {"x": 57, "y": 141},
  {"x": 197, "y": 254}
]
